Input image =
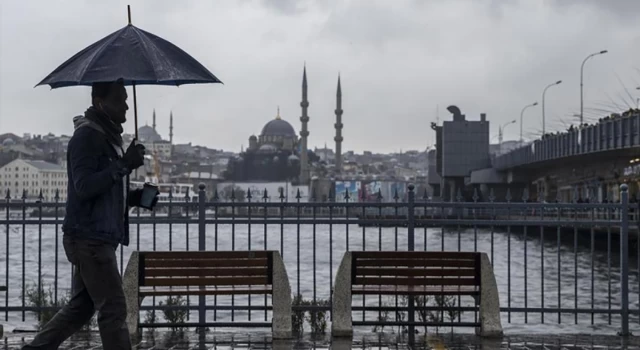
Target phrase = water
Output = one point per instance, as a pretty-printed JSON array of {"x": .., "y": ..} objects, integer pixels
[{"x": 312, "y": 255}]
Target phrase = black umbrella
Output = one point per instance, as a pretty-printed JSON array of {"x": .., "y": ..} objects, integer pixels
[{"x": 134, "y": 55}]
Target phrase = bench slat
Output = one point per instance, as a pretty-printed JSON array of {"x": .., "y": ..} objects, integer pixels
[
  {"x": 204, "y": 272},
  {"x": 206, "y": 263},
  {"x": 415, "y": 255},
  {"x": 258, "y": 254},
  {"x": 386, "y": 281},
  {"x": 372, "y": 271},
  {"x": 144, "y": 292},
  {"x": 223, "y": 281},
  {"x": 415, "y": 262},
  {"x": 415, "y": 290}
]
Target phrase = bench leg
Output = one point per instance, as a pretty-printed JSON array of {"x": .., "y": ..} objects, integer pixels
[
  {"x": 490, "y": 324},
  {"x": 341, "y": 323},
  {"x": 130, "y": 284},
  {"x": 281, "y": 299}
]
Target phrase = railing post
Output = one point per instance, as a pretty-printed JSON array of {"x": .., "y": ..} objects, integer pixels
[
  {"x": 411, "y": 247},
  {"x": 624, "y": 259},
  {"x": 202, "y": 245}
]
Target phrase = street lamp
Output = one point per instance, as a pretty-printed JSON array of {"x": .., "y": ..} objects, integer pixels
[
  {"x": 521, "y": 114},
  {"x": 500, "y": 133},
  {"x": 581, "y": 84},
  {"x": 543, "y": 93}
]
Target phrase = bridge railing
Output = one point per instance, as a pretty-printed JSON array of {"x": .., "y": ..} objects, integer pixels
[
  {"x": 608, "y": 134},
  {"x": 555, "y": 263}
]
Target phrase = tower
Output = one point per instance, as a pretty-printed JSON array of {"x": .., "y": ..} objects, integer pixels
[
  {"x": 338, "y": 127},
  {"x": 154, "y": 120},
  {"x": 304, "y": 133},
  {"x": 170, "y": 127}
]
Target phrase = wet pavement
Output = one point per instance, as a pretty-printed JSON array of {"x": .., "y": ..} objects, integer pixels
[{"x": 262, "y": 341}]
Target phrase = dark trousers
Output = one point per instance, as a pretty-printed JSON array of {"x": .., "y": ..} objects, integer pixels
[{"x": 97, "y": 286}]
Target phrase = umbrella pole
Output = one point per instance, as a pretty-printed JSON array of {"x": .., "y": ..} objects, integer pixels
[{"x": 135, "y": 110}]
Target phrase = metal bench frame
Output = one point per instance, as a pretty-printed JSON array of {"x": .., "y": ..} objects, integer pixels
[
  {"x": 481, "y": 283},
  {"x": 221, "y": 280}
]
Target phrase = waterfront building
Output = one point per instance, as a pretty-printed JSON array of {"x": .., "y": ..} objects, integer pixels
[{"x": 31, "y": 176}]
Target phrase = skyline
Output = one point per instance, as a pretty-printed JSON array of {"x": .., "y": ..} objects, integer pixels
[{"x": 398, "y": 64}]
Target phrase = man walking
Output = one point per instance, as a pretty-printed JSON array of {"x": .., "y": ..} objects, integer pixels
[{"x": 96, "y": 221}]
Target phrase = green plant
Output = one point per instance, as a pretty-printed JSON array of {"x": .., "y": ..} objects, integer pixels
[
  {"x": 41, "y": 298},
  {"x": 317, "y": 319},
  {"x": 382, "y": 317},
  {"x": 175, "y": 315},
  {"x": 401, "y": 315},
  {"x": 422, "y": 301},
  {"x": 297, "y": 316},
  {"x": 448, "y": 303}
]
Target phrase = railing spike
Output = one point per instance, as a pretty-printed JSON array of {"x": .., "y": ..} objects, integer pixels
[{"x": 492, "y": 196}]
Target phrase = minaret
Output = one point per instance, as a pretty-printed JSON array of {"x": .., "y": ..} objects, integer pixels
[
  {"x": 171, "y": 127},
  {"x": 338, "y": 127},
  {"x": 154, "y": 120},
  {"x": 304, "y": 133}
]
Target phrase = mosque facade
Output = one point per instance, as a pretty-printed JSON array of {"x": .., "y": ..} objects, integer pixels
[{"x": 281, "y": 154}]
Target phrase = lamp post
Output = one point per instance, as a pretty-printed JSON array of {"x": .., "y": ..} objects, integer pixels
[
  {"x": 521, "y": 114},
  {"x": 581, "y": 83},
  {"x": 543, "y": 93},
  {"x": 500, "y": 134}
]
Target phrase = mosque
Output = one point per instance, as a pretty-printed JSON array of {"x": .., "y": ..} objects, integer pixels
[{"x": 278, "y": 154}]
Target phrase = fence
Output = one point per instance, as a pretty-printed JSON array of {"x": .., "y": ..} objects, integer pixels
[{"x": 555, "y": 261}]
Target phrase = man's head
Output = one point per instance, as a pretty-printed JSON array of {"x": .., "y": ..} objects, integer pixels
[{"x": 111, "y": 99}]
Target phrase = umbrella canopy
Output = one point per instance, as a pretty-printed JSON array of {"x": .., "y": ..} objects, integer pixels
[{"x": 136, "y": 56}]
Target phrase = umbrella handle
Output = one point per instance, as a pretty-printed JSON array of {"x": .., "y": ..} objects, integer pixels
[{"x": 135, "y": 109}]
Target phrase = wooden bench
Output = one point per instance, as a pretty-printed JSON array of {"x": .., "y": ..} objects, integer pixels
[
  {"x": 417, "y": 274},
  {"x": 205, "y": 273}
]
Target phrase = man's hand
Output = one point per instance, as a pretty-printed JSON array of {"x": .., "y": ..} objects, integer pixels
[{"x": 134, "y": 157}]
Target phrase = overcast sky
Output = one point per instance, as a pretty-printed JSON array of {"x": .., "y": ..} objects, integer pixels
[{"x": 399, "y": 60}]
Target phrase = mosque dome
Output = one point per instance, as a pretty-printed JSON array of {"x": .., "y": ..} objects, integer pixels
[
  {"x": 148, "y": 134},
  {"x": 278, "y": 127},
  {"x": 8, "y": 142}
]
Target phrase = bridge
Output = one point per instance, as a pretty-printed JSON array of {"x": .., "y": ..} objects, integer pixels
[
  {"x": 620, "y": 134},
  {"x": 587, "y": 163}
]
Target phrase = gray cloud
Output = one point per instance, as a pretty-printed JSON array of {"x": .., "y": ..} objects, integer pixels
[{"x": 399, "y": 60}]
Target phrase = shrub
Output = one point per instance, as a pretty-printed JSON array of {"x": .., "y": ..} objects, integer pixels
[{"x": 44, "y": 297}]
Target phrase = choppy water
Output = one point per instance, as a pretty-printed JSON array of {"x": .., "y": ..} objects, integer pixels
[{"x": 312, "y": 257}]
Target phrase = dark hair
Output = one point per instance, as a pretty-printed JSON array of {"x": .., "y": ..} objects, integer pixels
[{"x": 103, "y": 89}]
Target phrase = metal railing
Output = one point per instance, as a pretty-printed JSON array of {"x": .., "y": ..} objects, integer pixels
[{"x": 566, "y": 260}]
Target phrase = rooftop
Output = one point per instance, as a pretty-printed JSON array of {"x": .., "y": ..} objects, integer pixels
[{"x": 42, "y": 165}]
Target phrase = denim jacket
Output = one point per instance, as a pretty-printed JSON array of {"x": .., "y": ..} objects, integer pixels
[{"x": 97, "y": 191}]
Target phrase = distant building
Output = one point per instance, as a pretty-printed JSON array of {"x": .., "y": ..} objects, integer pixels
[
  {"x": 462, "y": 147},
  {"x": 32, "y": 176}
]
